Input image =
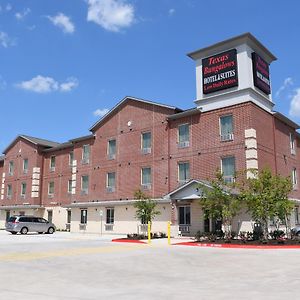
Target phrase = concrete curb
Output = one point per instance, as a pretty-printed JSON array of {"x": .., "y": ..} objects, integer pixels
[{"x": 230, "y": 246}]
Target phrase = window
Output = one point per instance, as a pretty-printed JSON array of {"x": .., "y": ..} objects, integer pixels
[
  {"x": 146, "y": 142},
  {"x": 292, "y": 144},
  {"x": 146, "y": 178},
  {"x": 111, "y": 149},
  {"x": 25, "y": 166},
  {"x": 226, "y": 128},
  {"x": 71, "y": 158},
  {"x": 110, "y": 215},
  {"x": 69, "y": 216},
  {"x": 228, "y": 168},
  {"x": 70, "y": 186},
  {"x": 52, "y": 163},
  {"x": 296, "y": 211},
  {"x": 111, "y": 182},
  {"x": 51, "y": 189},
  {"x": 9, "y": 191},
  {"x": 85, "y": 154},
  {"x": 83, "y": 216},
  {"x": 23, "y": 189},
  {"x": 84, "y": 184},
  {"x": 183, "y": 135},
  {"x": 183, "y": 172},
  {"x": 294, "y": 178},
  {"x": 184, "y": 215},
  {"x": 11, "y": 168}
]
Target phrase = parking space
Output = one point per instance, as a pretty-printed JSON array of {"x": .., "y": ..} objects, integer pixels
[{"x": 78, "y": 266}]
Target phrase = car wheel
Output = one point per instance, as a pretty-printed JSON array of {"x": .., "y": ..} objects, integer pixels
[
  {"x": 13, "y": 232},
  {"x": 24, "y": 230},
  {"x": 50, "y": 230}
]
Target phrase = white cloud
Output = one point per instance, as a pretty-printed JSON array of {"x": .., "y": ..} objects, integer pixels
[
  {"x": 8, "y": 7},
  {"x": 100, "y": 112},
  {"x": 63, "y": 22},
  {"x": 171, "y": 11},
  {"x": 5, "y": 40},
  {"x": 295, "y": 104},
  {"x": 70, "y": 84},
  {"x": 112, "y": 15},
  {"x": 3, "y": 83},
  {"x": 286, "y": 83},
  {"x": 21, "y": 15},
  {"x": 43, "y": 85}
]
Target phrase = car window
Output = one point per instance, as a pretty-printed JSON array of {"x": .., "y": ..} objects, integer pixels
[
  {"x": 41, "y": 220},
  {"x": 35, "y": 220},
  {"x": 25, "y": 219},
  {"x": 12, "y": 219}
]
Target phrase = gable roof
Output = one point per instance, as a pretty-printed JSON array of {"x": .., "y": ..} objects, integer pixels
[
  {"x": 33, "y": 140},
  {"x": 126, "y": 99}
]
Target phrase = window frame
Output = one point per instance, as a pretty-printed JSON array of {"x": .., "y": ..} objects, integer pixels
[
  {"x": 184, "y": 207},
  {"x": 231, "y": 134},
  {"x": 11, "y": 167},
  {"x": 146, "y": 150},
  {"x": 183, "y": 144},
  {"x": 9, "y": 191},
  {"x": 292, "y": 143},
  {"x": 85, "y": 156},
  {"x": 49, "y": 186},
  {"x": 110, "y": 218},
  {"x": 111, "y": 156},
  {"x": 71, "y": 158},
  {"x": 83, "y": 216},
  {"x": 294, "y": 178},
  {"x": 25, "y": 170},
  {"x": 52, "y": 159},
  {"x": 70, "y": 190},
  {"x": 232, "y": 178},
  {"x": 84, "y": 191},
  {"x": 146, "y": 186},
  {"x": 178, "y": 171},
  {"x": 22, "y": 186}
]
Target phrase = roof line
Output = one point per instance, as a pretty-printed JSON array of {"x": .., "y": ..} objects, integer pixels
[{"x": 127, "y": 98}]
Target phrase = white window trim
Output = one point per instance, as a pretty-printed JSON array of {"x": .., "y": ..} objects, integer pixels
[
  {"x": 22, "y": 188},
  {"x": 82, "y": 190},
  {"x": 233, "y": 179},
  {"x": 146, "y": 186},
  {"x": 146, "y": 150},
  {"x": 49, "y": 188},
  {"x": 50, "y": 162},
  {"x": 292, "y": 143},
  {"x": 188, "y": 142},
  {"x": 70, "y": 191},
  {"x": 185, "y": 180},
  {"x": 110, "y": 188},
  {"x": 11, "y": 167},
  {"x": 87, "y": 161},
  {"x": 71, "y": 162},
  {"x": 110, "y": 208},
  {"x": 111, "y": 156},
  {"x": 25, "y": 170},
  {"x": 294, "y": 178},
  {"x": 220, "y": 127}
]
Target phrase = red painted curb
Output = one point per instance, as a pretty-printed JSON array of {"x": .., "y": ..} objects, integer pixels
[
  {"x": 238, "y": 246},
  {"x": 128, "y": 241}
]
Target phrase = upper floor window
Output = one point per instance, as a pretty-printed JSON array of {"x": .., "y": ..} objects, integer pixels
[
  {"x": 23, "y": 189},
  {"x": 183, "y": 172},
  {"x": 292, "y": 143},
  {"x": 112, "y": 149},
  {"x": 146, "y": 142},
  {"x": 84, "y": 184},
  {"x": 228, "y": 168},
  {"x": 52, "y": 163},
  {"x": 294, "y": 178},
  {"x": 110, "y": 215},
  {"x": 111, "y": 182},
  {"x": 226, "y": 128},
  {"x": 25, "y": 165},
  {"x": 9, "y": 191},
  {"x": 51, "y": 189},
  {"x": 146, "y": 178},
  {"x": 85, "y": 154},
  {"x": 11, "y": 168},
  {"x": 183, "y": 135},
  {"x": 71, "y": 158}
]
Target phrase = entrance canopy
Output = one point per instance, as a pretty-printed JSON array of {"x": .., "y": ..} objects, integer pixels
[{"x": 191, "y": 190}]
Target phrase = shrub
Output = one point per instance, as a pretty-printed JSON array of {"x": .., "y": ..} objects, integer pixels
[{"x": 277, "y": 234}]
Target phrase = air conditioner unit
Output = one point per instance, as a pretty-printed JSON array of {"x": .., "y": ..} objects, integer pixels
[
  {"x": 111, "y": 156},
  {"x": 85, "y": 161},
  {"x": 184, "y": 144},
  {"x": 84, "y": 192},
  {"x": 146, "y": 150},
  {"x": 110, "y": 189},
  {"x": 146, "y": 186},
  {"x": 227, "y": 137},
  {"x": 52, "y": 169},
  {"x": 109, "y": 227},
  {"x": 50, "y": 195},
  {"x": 23, "y": 196},
  {"x": 228, "y": 179}
]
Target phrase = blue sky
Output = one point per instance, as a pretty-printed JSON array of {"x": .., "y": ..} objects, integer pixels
[{"x": 65, "y": 62}]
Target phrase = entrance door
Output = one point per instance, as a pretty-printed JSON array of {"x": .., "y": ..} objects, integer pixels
[
  {"x": 50, "y": 215},
  {"x": 184, "y": 218}
]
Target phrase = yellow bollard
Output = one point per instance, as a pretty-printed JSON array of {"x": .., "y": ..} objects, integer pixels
[
  {"x": 149, "y": 232},
  {"x": 169, "y": 233}
]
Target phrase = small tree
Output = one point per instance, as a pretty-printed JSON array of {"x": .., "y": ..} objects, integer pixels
[
  {"x": 266, "y": 196},
  {"x": 219, "y": 203},
  {"x": 146, "y": 208}
]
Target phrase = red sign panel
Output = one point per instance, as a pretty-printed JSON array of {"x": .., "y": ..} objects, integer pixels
[
  {"x": 261, "y": 74},
  {"x": 219, "y": 72}
]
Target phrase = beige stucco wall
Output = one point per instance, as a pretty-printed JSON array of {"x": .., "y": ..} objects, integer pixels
[{"x": 124, "y": 220}]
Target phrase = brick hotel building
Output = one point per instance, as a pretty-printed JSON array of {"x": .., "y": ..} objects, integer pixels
[{"x": 87, "y": 184}]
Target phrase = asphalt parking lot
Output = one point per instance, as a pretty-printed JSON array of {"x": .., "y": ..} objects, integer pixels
[{"x": 78, "y": 266}]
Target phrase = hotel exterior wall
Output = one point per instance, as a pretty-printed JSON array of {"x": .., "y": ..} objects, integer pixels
[
  {"x": 125, "y": 221},
  {"x": 30, "y": 152}
]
